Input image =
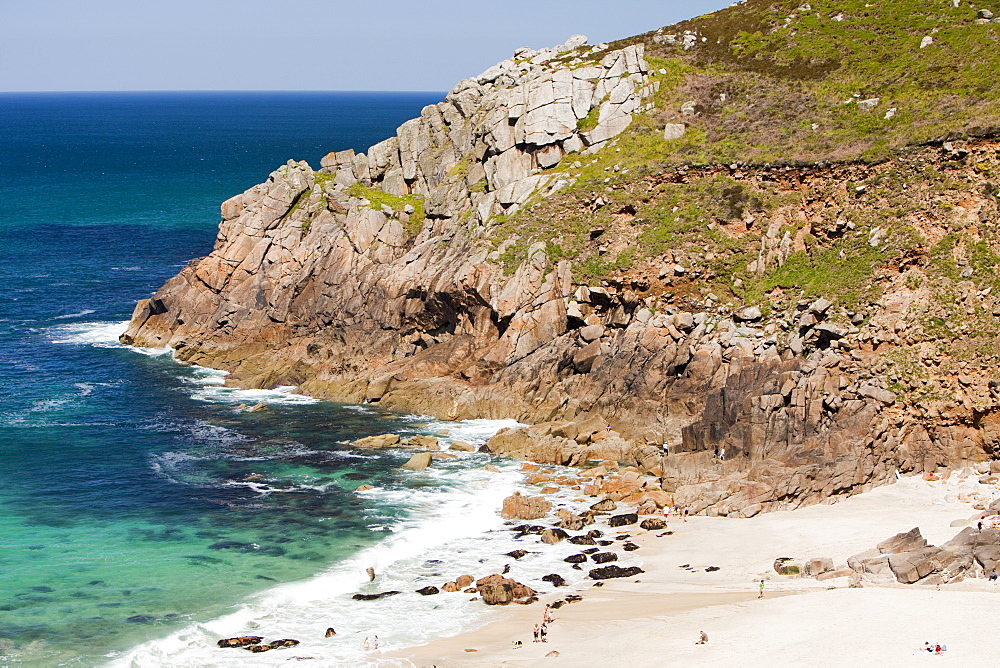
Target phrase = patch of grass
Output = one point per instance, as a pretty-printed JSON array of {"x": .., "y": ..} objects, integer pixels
[
  {"x": 379, "y": 198},
  {"x": 589, "y": 122}
]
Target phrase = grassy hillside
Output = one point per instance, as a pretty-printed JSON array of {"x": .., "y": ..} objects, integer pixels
[
  {"x": 781, "y": 167},
  {"x": 781, "y": 81}
]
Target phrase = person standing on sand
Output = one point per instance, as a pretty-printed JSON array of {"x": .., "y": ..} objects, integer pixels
[
  {"x": 761, "y": 588},
  {"x": 536, "y": 632},
  {"x": 715, "y": 452},
  {"x": 543, "y": 632},
  {"x": 722, "y": 454},
  {"x": 687, "y": 511},
  {"x": 547, "y": 614}
]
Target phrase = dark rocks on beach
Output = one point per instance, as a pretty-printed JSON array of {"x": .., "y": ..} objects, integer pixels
[
  {"x": 257, "y": 649},
  {"x": 711, "y": 569},
  {"x": 429, "y": 590},
  {"x": 557, "y": 605},
  {"x": 591, "y": 550},
  {"x": 653, "y": 524},
  {"x": 284, "y": 642},
  {"x": 605, "y": 543},
  {"x": 595, "y": 533},
  {"x": 241, "y": 641},
  {"x": 517, "y": 554},
  {"x": 573, "y": 523},
  {"x": 604, "y": 557},
  {"x": 556, "y": 579},
  {"x": 373, "y": 597},
  {"x": 553, "y": 536},
  {"x": 604, "y": 506},
  {"x": 614, "y": 571},
  {"x": 630, "y": 547},
  {"x": 575, "y": 559},
  {"x": 582, "y": 540},
  {"x": 622, "y": 520}
]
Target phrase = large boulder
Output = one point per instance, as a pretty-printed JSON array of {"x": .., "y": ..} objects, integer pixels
[
  {"x": 421, "y": 442},
  {"x": 653, "y": 524},
  {"x": 623, "y": 520},
  {"x": 517, "y": 507},
  {"x": 376, "y": 442},
  {"x": 553, "y": 536},
  {"x": 419, "y": 461}
]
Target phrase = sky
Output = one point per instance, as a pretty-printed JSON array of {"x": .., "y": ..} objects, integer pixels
[{"x": 388, "y": 45}]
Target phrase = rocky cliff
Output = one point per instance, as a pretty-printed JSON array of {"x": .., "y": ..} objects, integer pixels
[{"x": 514, "y": 252}]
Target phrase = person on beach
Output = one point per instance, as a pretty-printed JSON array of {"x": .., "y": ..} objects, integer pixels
[
  {"x": 365, "y": 644},
  {"x": 666, "y": 513},
  {"x": 993, "y": 575},
  {"x": 547, "y": 614},
  {"x": 375, "y": 643},
  {"x": 687, "y": 511},
  {"x": 722, "y": 454},
  {"x": 702, "y": 639},
  {"x": 543, "y": 632},
  {"x": 761, "y": 589},
  {"x": 715, "y": 452},
  {"x": 537, "y": 631}
]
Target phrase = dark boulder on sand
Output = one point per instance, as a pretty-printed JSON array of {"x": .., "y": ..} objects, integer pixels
[
  {"x": 582, "y": 540},
  {"x": 604, "y": 557},
  {"x": 575, "y": 559},
  {"x": 653, "y": 524},
  {"x": 622, "y": 520},
  {"x": 614, "y": 571}
]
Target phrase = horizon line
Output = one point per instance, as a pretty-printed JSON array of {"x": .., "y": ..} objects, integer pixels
[{"x": 210, "y": 90}]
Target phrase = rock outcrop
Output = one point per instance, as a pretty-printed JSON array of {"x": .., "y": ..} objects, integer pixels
[
  {"x": 377, "y": 279},
  {"x": 908, "y": 558}
]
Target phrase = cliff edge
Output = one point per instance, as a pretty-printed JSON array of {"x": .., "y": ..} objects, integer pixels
[{"x": 561, "y": 242}]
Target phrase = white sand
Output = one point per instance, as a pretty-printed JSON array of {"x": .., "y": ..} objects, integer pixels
[{"x": 656, "y": 620}]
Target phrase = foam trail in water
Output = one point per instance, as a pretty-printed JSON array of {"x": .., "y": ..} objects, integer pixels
[{"x": 211, "y": 388}]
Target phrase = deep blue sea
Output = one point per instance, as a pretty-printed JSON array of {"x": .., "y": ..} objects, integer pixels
[{"x": 142, "y": 516}]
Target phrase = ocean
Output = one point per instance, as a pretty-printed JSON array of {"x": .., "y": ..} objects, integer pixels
[{"x": 142, "y": 516}]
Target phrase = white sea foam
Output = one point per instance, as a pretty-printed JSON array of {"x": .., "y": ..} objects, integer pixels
[
  {"x": 452, "y": 528},
  {"x": 97, "y": 334},
  {"x": 74, "y": 315}
]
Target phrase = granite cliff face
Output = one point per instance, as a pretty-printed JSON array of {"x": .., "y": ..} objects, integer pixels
[{"x": 382, "y": 278}]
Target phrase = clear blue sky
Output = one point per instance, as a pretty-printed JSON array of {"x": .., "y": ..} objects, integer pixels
[{"x": 298, "y": 44}]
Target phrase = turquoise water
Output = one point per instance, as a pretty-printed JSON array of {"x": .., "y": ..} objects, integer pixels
[{"x": 134, "y": 499}]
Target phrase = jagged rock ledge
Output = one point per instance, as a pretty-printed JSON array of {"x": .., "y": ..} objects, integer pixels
[{"x": 376, "y": 279}]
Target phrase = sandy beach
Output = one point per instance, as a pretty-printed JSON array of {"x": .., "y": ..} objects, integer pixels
[{"x": 656, "y": 617}]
